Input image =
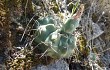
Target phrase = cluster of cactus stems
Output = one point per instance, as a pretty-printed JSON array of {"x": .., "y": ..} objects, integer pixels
[{"x": 60, "y": 42}]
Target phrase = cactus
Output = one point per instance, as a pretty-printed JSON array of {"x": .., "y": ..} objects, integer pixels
[
  {"x": 60, "y": 41},
  {"x": 62, "y": 45},
  {"x": 70, "y": 25}
]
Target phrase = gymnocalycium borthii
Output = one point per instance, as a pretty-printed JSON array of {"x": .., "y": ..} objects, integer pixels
[{"x": 60, "y": 41}]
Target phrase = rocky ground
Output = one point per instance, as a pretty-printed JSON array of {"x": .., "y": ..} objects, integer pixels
[{"x": 17, "y": 19}]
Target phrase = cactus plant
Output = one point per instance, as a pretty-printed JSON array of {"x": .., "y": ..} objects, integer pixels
[
  {"x": 46, "y": 27},
  {"x": 60, "y": 41}
]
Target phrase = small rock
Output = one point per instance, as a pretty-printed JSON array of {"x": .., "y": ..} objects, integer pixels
[{"x": 58, "y": 65}]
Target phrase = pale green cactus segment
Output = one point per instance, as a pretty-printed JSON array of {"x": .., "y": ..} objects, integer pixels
[
  {"x": 61, "y": 44},
  {"x": 46, "y": 27},
  {"x": 67, "y": 44},
  {"x": 53, "y": 39},
  {"x": 43, "y": 32},
  {"x": 46, "y": 20},
  {"x": 70, "y": 25}
]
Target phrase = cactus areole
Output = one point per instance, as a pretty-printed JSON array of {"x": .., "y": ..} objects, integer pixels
[{"x": 60, "y": 42}]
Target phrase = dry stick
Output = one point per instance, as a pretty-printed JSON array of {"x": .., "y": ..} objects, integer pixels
[
  {"x": 34, "y": 29},
  {"x": 30, "y": 29},
  {"x": 91, "y": 43},
  {"x": 26, "y": 28},
  {"x": 26, "y": 20},
  {"x": 104, "y": 51},
  {"x": 44, "y": 53},
  {"x": 100, "y": 16},
  {"x": 58, "y": 5},
  {"x": 34, "y": 37}
]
